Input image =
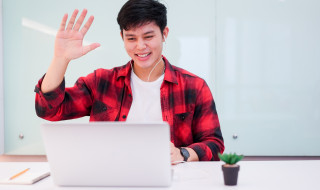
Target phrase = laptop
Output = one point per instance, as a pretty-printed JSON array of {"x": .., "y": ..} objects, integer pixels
[{"x": 108, "y": 154}]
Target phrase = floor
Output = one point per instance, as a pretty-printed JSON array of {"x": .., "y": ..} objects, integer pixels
[
  {"x": 23, "y": 158},
  {"x": 43, "y": 158}
]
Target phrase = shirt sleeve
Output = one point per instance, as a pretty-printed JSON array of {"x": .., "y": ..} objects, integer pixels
[
  {"x": 65, "y": 103},
  {"x": 206, "y": 128}
]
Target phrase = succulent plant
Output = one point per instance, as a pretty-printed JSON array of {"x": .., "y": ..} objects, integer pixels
[{"x": 230, "y": 158}]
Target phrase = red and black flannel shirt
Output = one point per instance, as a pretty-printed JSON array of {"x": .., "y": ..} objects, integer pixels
[{"x": 105, "y": 95}]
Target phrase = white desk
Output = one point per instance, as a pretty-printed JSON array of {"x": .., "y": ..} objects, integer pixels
[{"x": 253, "y": 175}]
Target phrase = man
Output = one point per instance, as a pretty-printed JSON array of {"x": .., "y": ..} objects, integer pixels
[{"x": 147, "y": 88}]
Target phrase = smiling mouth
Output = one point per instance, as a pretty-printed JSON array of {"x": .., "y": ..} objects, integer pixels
[{"x": 143, "y": 55}]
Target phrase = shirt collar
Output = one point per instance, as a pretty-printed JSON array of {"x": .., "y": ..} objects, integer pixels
[{"x": 169, "y": 73}]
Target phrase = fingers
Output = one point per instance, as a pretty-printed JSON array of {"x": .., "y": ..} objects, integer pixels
[
  {"x": 77, "y": 25},
  {"x": 88, "y": 48},
  {"x": 86, "y": 27},
  {"x": 80, "y": 20},
  {"x": 171, "y": 148},
  {"x": 63, "y": 22},
  {"x": 72, "y": 19}
]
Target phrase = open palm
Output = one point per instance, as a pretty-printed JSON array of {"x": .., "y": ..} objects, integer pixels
[{"x": 69, "y": 38}]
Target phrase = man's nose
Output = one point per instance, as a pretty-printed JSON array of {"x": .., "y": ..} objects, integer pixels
[{"x": 141, "y": 44}]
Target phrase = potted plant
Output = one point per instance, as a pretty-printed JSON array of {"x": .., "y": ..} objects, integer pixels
[{"x": 230, "y": 168}]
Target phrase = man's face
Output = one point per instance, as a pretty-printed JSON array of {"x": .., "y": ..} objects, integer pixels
[{"x": 144, "y": 45}]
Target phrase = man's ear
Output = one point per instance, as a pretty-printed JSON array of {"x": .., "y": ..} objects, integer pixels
[
  {"x": 165, "y": 33},
  {"x": 121, "y": 35}
]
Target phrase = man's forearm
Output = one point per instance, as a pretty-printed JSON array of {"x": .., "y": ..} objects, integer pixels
[
  {"x": 193, "y": 155},
  {"x": 54, "y": 75}
]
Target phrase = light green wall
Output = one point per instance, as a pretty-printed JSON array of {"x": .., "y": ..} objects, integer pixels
[
  {"x": 260, "y": 59},
  {"x": 268, "y": 76}
]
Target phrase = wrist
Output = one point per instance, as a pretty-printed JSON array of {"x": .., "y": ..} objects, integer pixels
[
  {"x": 60, "y": 60},
  {"x": 184, "y": 154}
]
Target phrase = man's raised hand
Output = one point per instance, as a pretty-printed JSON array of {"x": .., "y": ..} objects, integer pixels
[
  {"x": 69, "y": 38},
  {"x": 68, "y": 46}
]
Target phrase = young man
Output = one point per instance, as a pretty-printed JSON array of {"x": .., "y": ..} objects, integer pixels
[{"x": 147, "y": 88}]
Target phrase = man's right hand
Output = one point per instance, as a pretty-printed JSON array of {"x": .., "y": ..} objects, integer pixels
[
  {"x": 69, "y": 38},
  {"x": 68, "y": 46}
]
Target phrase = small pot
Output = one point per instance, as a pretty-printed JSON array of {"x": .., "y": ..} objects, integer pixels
[{"x": 230, "y": 174}]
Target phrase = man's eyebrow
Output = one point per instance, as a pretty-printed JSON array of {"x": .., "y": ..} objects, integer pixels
[
  {"x": 129, "y": 35},
  {"x": 146, "y": 33},
  {"x": 149, "y": 32}
]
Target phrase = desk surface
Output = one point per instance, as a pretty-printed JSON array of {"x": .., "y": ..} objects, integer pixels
[{"x": 253, "y": 175}]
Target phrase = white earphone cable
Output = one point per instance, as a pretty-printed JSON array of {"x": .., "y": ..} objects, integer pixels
[{"x": 154, "y": 68}]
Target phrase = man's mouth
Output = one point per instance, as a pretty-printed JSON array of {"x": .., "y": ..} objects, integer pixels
[{"x": 143, "y": 55}]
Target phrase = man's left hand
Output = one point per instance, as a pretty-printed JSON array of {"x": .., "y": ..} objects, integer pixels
[{"x": 176, "y": 156}]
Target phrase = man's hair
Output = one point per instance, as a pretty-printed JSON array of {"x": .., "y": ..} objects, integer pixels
[{"x": 135, "y": 13}]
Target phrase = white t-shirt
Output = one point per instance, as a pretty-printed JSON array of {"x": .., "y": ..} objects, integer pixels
[{"x": 146, "y": 104}]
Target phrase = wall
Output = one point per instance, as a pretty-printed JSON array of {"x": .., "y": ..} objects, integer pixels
[
  {"x": 1, "y": 88},
  {"x": 260, "y": 59}
]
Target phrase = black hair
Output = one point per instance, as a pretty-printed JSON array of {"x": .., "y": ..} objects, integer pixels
[{"x": 135, "y": 13}]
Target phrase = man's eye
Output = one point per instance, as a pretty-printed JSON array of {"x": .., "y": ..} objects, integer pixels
[
  {"x": 148, "y": 37},
  {"x": 130, "y": 39}
]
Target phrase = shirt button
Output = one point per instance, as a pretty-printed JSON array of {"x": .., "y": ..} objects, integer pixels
[
  {"x": 130, "y": 95},
  {"x": 124, "y": 116}
]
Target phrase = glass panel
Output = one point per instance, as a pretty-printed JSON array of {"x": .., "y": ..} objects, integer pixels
[
  {"x": 29, "y": 33},
  {"x": 268, "y": 75}
]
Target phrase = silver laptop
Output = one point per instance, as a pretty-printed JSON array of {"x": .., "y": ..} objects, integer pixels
[{"x": 108, "y": 153}]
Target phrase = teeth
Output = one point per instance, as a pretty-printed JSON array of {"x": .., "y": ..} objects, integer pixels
[{"x": 143, "y": 55}]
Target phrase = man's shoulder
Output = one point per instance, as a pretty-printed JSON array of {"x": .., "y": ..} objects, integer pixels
[
  {"x": 113, "y": 72},
  {"x": 187, "y": 80},
  {"x": 182, "y": 73}
]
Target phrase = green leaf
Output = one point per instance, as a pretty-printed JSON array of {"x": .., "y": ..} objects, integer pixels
[
  {"x": 230, "y": 158},
  {"x": 233, "y": 160}
]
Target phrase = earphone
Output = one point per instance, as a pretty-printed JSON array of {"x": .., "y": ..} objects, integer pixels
[{"x": 164, "y": 38}]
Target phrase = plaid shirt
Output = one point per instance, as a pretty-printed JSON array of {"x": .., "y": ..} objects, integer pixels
[{"x": 105, "y": 95}]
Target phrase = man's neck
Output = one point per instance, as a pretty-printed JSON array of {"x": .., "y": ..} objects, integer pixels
[{"x": 149, "y": 74}]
